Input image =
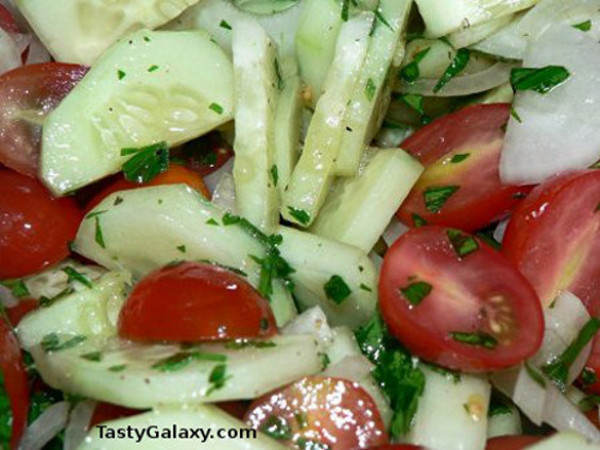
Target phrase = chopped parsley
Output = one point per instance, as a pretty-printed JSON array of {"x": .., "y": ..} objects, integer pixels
[
  {"x": 74, "y": 275},
  {"x": 92, "y": 356},
  {"x": 479, "y": 339},
  {"x": 370, "y": 89},
  {"x": 153, "y": 68},
  {"x": 515, "y": 115},
  {"x": 436, "y": 196},
  {"x": 382, "y": 19},
  {"x": 463, "y": 244},
  {"x": 418, "y": 221},
  {"x": 277, "y": 428},
  {"x": 48, "y": 301},
  {"x": 588, "y": 376},
  {"x": 117, "y": 368},
  {"x": 216, "y": 108},
  {"x": 541, "y": 80},
  {"x": 182, "y": 359},
  {"x": 458, "y": 64},
  {"x": 589, "y": 402},
  {"x": 95, "y": 213},
  {"x": 415, "y": 292},
  {"x": 345, "y": 10},
  {"x": 535, "y": 375},
  {"x": 411, "y": 72},
  {"x": 280, "y": 83},
  {"x": 225, "y": 24},
  {"x": 99, "y": 237},
  {"x": 239, "y": 344},
  {"x": 445, "y": 372},
  {"x": 459, "y": 157},
  {"x": 414, "y": 101},
  {"x": 300, "y": 215},
  {"x": 336, "y": 289},
  {"x": 18, "y": 288},
  {"x": 364, "y": 287},
  {"x": 51, "y": 342},
  {"x": 558, "y": 369},
  {"x": 146, "y": 163},
  {"x": 181, "y": 248},
  {"x": 212, "y": 221},
  {"x": 499, "y": 406},
  {"x": 325, "y": 361},
  {"x": 217, "y": 378},
  {"x": 118, "y": 201},
  {"x": 274, "y": 174},
  {"x": 120, "y": 74},
  {"x": 584, "y": 26}
]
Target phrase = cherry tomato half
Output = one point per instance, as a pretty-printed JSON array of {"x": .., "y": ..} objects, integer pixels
[
  {"x": 454, "y": 301},
  {"x": 35, "y": 228},
  {"x": 512, "y": 442},
  {"x": 104, "y": 412},
  {"x": 7, "y": 21},
  {"x": 175, "y": 175},
  {"x": 27, "y": 95},
  {"x": 333, "y": 412},
  {"x": 191, "y": 302},
  {"x": 20, "y": 310},
  {"x": 461, "y": 186}
]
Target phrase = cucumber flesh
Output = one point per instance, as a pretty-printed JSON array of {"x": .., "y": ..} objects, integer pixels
[
  {"x": 359, "y": 209},
  {"x": 206, "y": 417},
  {"x": 170, "y": 216},
  {"x": 78, "y": 31},
  {"x": 140, "y": 385},
  {"x": 151, "y": 86}
]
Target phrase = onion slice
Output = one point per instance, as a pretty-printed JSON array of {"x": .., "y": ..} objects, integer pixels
[
  {"x": 10, "y": 57},
  {"x": 79, "y": 421},
  {"x": 45, "y": 427}
]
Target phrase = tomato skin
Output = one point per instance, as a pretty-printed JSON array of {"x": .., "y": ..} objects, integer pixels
[
  {"x": 7, "y": 21},
  {"x": 478, "y": 293},
  {"x": 235, "y": 408},
  {"x": 35, "y": 228},
  {"x": 512, "y": 442},
  {"x": 109, "y": 411},
  {"x": 15, "y": 380},
  {"x": 205, "y": 155},
  {"x": 175, "y": 175},
  {"x": 334, "y": 412},
  {"x": 191, "y": 302},
  {"x": 17, "y": 312},
  {"x": 481, "y": 198},
  {"x": 35, "y": 87},
  {"x": 397, "y": 447}
]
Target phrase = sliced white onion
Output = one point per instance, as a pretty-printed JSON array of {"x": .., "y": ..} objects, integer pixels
[
  {"x": 45, "y": 427},
  {"x": 500, "y": 230},
  {"x": 7, "y": 299},
  {"x": 557, "y": 131},
  {"x": 524, "y": 391},
  {"x": 10, "y": 57},
  {"x": 471, "y": 35},
  {"x": 312, "y": 321},
  {"x": 212, "y": 180},
  {"x": 353, "y": 368},
  {"x": 79, "y": 421},
  {"x": 393, "y": 231},
  {"x": 474, "y": 83},
  {"x": 224, "y": 193}
]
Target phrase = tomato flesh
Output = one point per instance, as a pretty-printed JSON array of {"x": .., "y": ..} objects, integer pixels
[
  {"x": 461, "y": 151},
  {"x": 7, "y": 21},
  {"x": 512, "y": 442},
  {"x": 104, "y": 412},
  {"x": 20, "y": 310},
  {"x": 478, "y": 294},
  {"x": 333, "y": 412},
  {"x": 206, "y": 154},
  {"x": 190, "y": 302},
  {"x": 28, "y": 94},
  {"x": 35, "y": 228}
]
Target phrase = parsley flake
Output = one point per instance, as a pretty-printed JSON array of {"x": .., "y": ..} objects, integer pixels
[
  {"x": 411, "y": 72},
  {"x": 182, "y": 359},
  {"x": 479, "y": 339},
  {"x": 74, "y": 275},
  {"x": 217, "y": 378},
  {"x": 18, "y": 288},
  {"x": 541, "y": 80},
  {"x": 225, "y": 24},
  {"x": 120, "y": 74},
  {"x": 147, "y": 162},
  {"x": 277, "y": 428},
  {"x": 458, "y": 64},
  {"x": 300, "y": 215},
  {"x": 216, "y": 108},
  {"x": 153, "y": 68},
  {"x": 436, "y": 196},
  {"x": 370, "y": 89},
  {"x": 117, "y": 368},
  {"x": 99, "y": 237},
  {"x": 336, "y": 289},
  {"x": 463, "y": 244},
  {"x": 418, "y": 221},
  {"x": 92, "y": 356},
  {"x": 584, "y": 26},
  {"x": 416, "y": 292},
  {"x": 181, "y": 248},
  {"x": 274, "y": 174},
  {"x": 459, "y": 157},
  {"x": 51, "y": 342},
  {"x": 212, "y": 221}
]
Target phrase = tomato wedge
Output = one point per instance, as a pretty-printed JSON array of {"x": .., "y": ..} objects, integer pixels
[
  {"x": 35, "y": 228},
  {"x": 20, "y": 310},
  {"x": 319, "y": 412},
  {"x": 27, "y": 95},
  {"x": 190, "y": 302},
  {"x": 104, "y": 412},
  {"x": 175, "y": 175},
  {"x": 454, "y": 301},
  {"x": 15, "y": 380},
  {"x": 204, "y": 155},
  {"x": 7, "y": 21},
  {"x": 461, "y": 186},
  {"x": 512, "y": 442}
]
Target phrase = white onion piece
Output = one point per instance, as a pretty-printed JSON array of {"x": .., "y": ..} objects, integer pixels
[
  {"x": 471, "y": 35},
  {"x": 524, "y": 391},
  {"x": 224, "y": 193},
  {"x": 500, "y": 230},
  {"x": 7, "y": 299},
  {"x": 45, "y": 427},
  {"x": 312, "y": 321},
  {"x": 474, "y": 83},
  {"x": 79, "y": 421},
  {"x": 567, "y": 316},
  {"x": 21, "y": 40},
  {"x": 511, "y": 41},
  {"x": 563, "y": 415},
  {"x": 558, "y": 130},
  {"x": 211, "y": 180},
  {"x": 10, "y": 57},
  {"x": 353, "y": 368},
  {"x": 393, "y": 231}
]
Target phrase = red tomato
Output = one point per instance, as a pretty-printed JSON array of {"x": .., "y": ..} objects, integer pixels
[
  {"x": 175, "y": 175},
  {"x": 461, "y": 152},
  {"x": 512, "y": 442},
  {"x": 593, "y": 364},
  {"x": 195, "y": 302},
  {"x": 472, "y": 312},
  {"x": 109, "y": 411},
  {"x": 397, "y": 447},
  {"x": 31, "y": 91},
  {"x": 553, "y": 238},
  {"x": 15, "y": 381},
  {"x": 206, "y": 154},
  {"x": 17, "y": 312},
  {"x": 7, "y": 21},
  {"x": 322, "y": 410},
  {"x": 592, "y": 416},
  {"x": 235, "y": 408},
  {"x": 35, "y": 228}
]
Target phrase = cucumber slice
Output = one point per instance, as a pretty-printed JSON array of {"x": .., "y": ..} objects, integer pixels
[
  {"x": 264, "y": 7},
  {"x": 151, "y": 86},
  {"x": 439, "y": 54},
  {"x": 256, "y": 92},
  {"x": 452, "y": 414},
  {"x": 140, "y": 385},
  {"x": 314, "y": 172},
  {"x": 317, "y": 260},
  {"x": 360, "y": 123},
  {"x": 89, "y": 312},
  {"x": 207, "y": 418},
  {"x": 78, "y": 31},
  {"x": 358, "y": 209}
]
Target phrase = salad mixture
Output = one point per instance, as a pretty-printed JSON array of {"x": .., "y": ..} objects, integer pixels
[{"x": 306, "y": 224}]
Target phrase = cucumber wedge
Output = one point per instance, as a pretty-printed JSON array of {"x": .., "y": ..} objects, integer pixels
[
  {"x": 78, "y": 31},
  {"x": 256, "y": 93},
  {"x": 204, "y": 417},
  {"x": 312, "y": 176},
  {"x": 149, "y": 87},
  {"x": 360, "y": 126},
  {"x": 316, "y": 260},
  {"x": 358, "y": 209},
  {"x": 148, "y": 227},
  {"x": 155, "y": 374}
]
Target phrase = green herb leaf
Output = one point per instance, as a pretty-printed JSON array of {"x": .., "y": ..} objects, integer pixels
[
  {"x": 445, "y": 372},
  {"x": 418, "y": 221},
  {"x": 225, "y": 24},
  {"x": 345, "y": 10},
  {"x": 217, "y": 378},
  {"x": 411, "y": 72},
  {"x": 436, "y": 196},
  {"x": 212, "y": 221},
  {"x": 459, "y": 157},
  {"x": 558, "y": 369},
  {"x": 92, "y": 356},
  {"x": 180, "y": 360},
  {"x": 120, "y": 74},
  {"x": 458, "y": 64},
  {"x": 280, "y": 82},
  {"x": 463, "y": 244},
  {"x": 18, "y": 288},
  {"x": 95, "y": 213},
  {"x": 274, "y": 174},
  {"x": 535, "y": 375},
  {"x": 51, "y": 342},
  {"x": 181, "y": 248},
  {"x": 382, "y": 19},
  {"x": 153, "y": 68},
  {"x": 239, "y": 344},
  {"x": 364, "y": 287},
  {"x": 588, "y": 376},
  {"x": 99, "y": 237},
  {"x": 414, "y": 101},
  {"x": 499, "y": 406},
  {"x": 277, "y": 428},
  {"x": 300, "y": 215},
  {"x": 147, "y": 162},
  {"x": 515, "y": 115},
  {"x": 117, "y": 368},
  {"x": 216, "y": 108},
  {"x": 118, "y": 201},
  {"x": 541, "y": 80},
  {"x": 370, "y": 89},
  {"x": 479, "y": 339},
  {"x": 45, "y": 301},
  {"x": 336, "y": 289},
  {"x": 584, "y": 26},
  {"x": 416, "y": 292},
  {"x": 74, "y": 275}
]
